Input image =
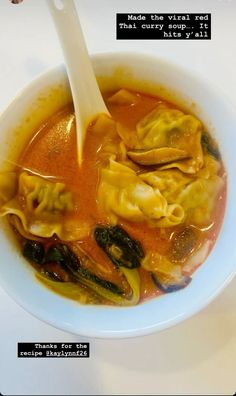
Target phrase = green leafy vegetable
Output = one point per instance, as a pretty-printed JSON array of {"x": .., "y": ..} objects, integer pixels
[
  {"x": 73, "y": 290},
  {"x": 64, "y": 256}
]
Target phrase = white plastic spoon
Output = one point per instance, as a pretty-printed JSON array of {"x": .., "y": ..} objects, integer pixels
[{"x": 87, "y": 98}]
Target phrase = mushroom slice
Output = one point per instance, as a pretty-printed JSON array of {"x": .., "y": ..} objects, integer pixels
[{"x": 157, "y": 156}]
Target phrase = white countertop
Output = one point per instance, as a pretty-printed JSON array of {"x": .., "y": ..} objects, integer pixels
[{"x": 195, "y": 357}]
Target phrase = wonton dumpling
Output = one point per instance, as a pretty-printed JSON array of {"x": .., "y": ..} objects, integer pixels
[
  {"x": 166, "y": 127},
  {"x": 38, "y": 207},
  {"x": 111, "y": 145},
  {"x": 123, "y": 194},
  {"x": 199, "y": 198},
  {"x": 169, "y": 182},
  {"x": 43, "y": 196},
  {"x": 211, "y": 167},
  {"x": 196, "y": 194}
]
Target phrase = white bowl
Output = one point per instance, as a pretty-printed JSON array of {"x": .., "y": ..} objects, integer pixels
[{"x": 152, "y": 75}]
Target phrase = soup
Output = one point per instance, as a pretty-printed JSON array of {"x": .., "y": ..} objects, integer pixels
[{"x": 136, "y": 219}]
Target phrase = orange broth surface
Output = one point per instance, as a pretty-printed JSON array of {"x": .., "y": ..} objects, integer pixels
[{"x": 53, "y": 152}]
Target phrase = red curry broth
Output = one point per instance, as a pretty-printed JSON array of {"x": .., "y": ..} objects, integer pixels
[{"x": 52, "y": 152}]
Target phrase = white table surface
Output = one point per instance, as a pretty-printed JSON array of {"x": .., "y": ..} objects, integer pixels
[{"x": 195, "y": 357}]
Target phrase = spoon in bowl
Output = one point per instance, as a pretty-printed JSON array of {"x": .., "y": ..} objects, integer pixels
[{"x": 87, "y": 98}]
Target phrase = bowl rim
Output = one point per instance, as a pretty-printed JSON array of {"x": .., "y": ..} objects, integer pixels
[{"x": 197, "y": 305}]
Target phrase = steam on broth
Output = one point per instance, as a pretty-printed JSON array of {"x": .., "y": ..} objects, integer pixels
[{"x": 139, "y": 216}]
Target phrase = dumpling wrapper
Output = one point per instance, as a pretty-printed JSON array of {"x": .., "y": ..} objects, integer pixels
[
  {"x": 196, "y": 194},
  {"x": 166, "y": 127},
  {"x": 124, "y": 98},
  {"x": 38, "y": 208},
  {"x": 124, "y": 194},
  {"x": 170, "y": 182}
]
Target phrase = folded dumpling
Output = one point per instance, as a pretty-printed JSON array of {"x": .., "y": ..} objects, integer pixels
[
  {"x": 170, "y": 182},
  {"x": 199, "y": 199},
  {"x": 167, "y": 127},
  {"x": 195, "y": 194},
  {"x": 122, "y": 193},
  {"x": 43, "y": 197},
  {"x": 38, "y": 207}
]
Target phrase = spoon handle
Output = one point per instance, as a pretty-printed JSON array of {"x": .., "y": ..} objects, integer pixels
[{"x": 87, "y": 98}]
